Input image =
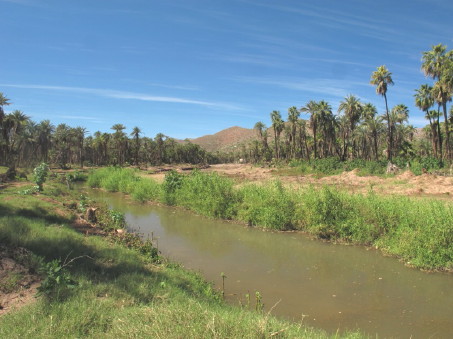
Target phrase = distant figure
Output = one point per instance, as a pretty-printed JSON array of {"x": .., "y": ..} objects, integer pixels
[{"x": 241, "y": 161}]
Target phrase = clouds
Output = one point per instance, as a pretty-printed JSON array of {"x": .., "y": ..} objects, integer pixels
[
  {"x": 324, "y": 87},
  {"x": 116, "y": 94}
]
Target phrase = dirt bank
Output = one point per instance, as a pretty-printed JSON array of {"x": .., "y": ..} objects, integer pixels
[{"x": 405, "y": 183}]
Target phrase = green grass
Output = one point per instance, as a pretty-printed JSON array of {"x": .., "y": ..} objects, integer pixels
[
  {"x": 417, "y": 231},
  {"x": 119, "y": 292}
]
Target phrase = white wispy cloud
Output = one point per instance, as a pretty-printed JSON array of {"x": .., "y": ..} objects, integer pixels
[
  {"x": 327, "y": 87},
  {"x": 116, "y": 94},
  {"x": 21, "y": 2},
  {"x": 79, "y": 117},
  {"x": 252, "y": 59}
]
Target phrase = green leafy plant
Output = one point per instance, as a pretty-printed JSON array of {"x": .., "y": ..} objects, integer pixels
[
  {"x": 57, "y": 278},
  {"x": 83, "y": 203},
  {"x": 118, "y": 219},
  {"x": 172, "y": 182},
  {"x": 40, "y": 174},
  {"x": 28, "y": 191}
]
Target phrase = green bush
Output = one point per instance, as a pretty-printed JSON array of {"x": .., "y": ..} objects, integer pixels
[
  {"x": 270, "y": 206},
  {"x": 40, "y": 175},
  {"x": 208, "y": 194},
  {"x": 146, "y": 190},
  {"x": 327, "y": 166},
  {"x": 172, "y": 183}
]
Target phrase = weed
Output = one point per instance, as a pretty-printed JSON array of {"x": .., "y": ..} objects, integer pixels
[
  {"x": 11, "y": 283},
  {"x": 57, "y": 279}
]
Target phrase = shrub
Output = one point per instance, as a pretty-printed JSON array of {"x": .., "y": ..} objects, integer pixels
[
  {"x": 40, "y": 175},
  {"x": 145, "y": 190},
  {"x": 173, "y": 181},
  {"x": 270, "y": 206},
  {"x": 208, "y": 194}
]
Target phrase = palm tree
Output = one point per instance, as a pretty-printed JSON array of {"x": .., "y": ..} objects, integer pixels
[
  {"x": 293, "y": 116},
  {"x": 438, "y": 64},
  {"x": 442, "y": 94},
  {"x": 312, "y": 108},
  {"x": 13, "y": 125},
  {"x": 160, "y": 143},
  {"x": 45, "y": 130},
  {"x": 382, "y": 78},
  {"x": 136, "y": 135},
  {"x": 424, "y": 100},
  {"x": 119, "y": 138},
  {"x": 277, "y": 125},
  {"x": 352, "y": 109},
  {"x": 374, "y": 125},
  {"x": 327, "y": 123},
  {"x": 398, "y": 115},
  {"x": 79, "y": 135},
  {"x": 262, "y": 132},
  {"x": 302, "y": 138},
  {"x": 62, "y": 136},
  {"x": 4, "y": 101}
]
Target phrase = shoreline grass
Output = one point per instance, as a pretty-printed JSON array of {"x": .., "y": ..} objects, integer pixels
[{"x": 419, "y": 232}]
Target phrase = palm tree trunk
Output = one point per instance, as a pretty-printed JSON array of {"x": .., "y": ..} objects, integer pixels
[
  {"x": 390, "y": 134},
  {"x": 315, "y": 141},
  {"x": 433, "y": 132},
  {"x": 439, "y": 134},
  {"x": 447, "y": 131}
]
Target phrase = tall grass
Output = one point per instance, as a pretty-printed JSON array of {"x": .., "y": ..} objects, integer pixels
[
  {"x": 270, "y": 205},
  {"x": 208, "y": 194},
  {"x": 117, "y": 179},
  {"x": 418, "y": 231}
]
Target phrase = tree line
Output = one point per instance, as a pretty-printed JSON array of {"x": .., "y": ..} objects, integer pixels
[
  {"x": 24, "y": 143},
  {"x": 357, "y": 131}
]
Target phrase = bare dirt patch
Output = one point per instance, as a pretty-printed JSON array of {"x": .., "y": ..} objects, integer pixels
[{"x": 18, "y": 286}]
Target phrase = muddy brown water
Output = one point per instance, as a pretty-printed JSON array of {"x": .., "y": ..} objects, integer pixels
[{"x": 334, "y": 287}]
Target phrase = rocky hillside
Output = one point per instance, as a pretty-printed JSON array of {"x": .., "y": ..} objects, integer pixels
[{"x": 225, "y": 139}]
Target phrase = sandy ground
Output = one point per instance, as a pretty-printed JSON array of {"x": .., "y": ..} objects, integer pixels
[{"x": 405, "y": 183}]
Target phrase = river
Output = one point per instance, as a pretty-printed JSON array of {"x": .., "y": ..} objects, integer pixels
[{"x": 334, "y": 287}]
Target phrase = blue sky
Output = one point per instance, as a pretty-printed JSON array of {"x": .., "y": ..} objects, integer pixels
[{"x": 187, "y": 68}]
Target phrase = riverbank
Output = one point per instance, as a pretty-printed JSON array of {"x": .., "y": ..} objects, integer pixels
[
  {"x": 418, "y": 231},
  {"x": 95, "y": 286}
]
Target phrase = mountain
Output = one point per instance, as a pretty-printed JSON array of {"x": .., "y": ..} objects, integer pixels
[{"x": 225, "y": 139}]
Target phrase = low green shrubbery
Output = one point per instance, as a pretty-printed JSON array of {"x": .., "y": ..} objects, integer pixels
[
  {"x": 208, "y": 194},
  {"x": 333, "y": 165}
]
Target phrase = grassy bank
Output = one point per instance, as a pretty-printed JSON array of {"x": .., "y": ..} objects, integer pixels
[
  {"x": 420, "y": 232},
  {"x": 106, "y": 289}
]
